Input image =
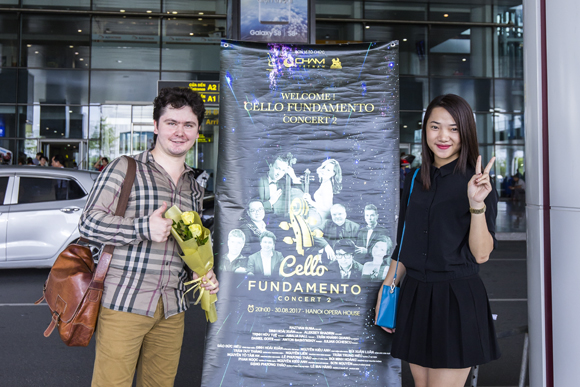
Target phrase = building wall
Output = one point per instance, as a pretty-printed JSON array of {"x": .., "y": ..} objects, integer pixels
[{"x": 87, "y": 75}]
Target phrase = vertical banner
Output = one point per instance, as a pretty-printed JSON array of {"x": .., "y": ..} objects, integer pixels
[
  {"x": 307, "y": 196},
  {"x": 274, "y": 20}
]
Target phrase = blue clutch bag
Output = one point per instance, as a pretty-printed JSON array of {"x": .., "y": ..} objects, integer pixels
[{"x": 388, "y": 308}]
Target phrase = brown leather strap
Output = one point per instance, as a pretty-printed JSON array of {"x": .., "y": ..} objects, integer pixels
[{"x": 107, "y": 253}]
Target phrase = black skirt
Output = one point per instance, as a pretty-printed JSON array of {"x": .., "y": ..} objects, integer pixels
[{"x": 445, "y": 324}]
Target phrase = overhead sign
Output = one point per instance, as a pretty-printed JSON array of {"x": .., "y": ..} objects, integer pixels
[{"x": 208, "y": 90}]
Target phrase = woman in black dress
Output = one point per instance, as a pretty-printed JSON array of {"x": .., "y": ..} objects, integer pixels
[{"x": 444, "y": 323}]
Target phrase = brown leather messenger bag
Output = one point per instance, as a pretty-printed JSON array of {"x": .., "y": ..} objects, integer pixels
[{"x": 74, "y": 288}]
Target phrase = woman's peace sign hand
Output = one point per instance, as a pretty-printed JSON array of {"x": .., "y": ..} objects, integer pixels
[{"x": 479, "y": 186}]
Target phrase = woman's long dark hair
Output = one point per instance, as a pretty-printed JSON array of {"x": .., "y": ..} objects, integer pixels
[{"x": 462, "y": 114}]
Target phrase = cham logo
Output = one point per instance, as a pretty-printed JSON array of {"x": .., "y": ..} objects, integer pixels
[{"x": 304, "y": 62}]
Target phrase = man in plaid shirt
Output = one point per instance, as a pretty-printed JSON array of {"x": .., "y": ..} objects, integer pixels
[{"x": 141, "y": 320}]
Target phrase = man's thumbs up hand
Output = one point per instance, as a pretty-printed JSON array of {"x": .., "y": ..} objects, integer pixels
[{"x": 159, "y": 227}]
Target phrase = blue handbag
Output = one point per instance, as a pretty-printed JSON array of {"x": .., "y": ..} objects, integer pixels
[{"x": 390, "y": 297}]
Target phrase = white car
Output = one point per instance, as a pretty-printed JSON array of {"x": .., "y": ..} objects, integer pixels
[{"x": 39, "y": 212}]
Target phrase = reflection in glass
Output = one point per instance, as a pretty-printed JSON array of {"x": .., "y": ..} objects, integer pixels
[
  {"x": 460, "y": 51},
  {"x": 484, "y": 126},
  {"x": 410, "y": 127},
  {"x": 8, "y": 40},
  {"x": 509, "y": 42},
  {"x": 345, "y": 9},
  {"x": 477, "y": 92},
  {"x": 60, "y": 122},
  {"x": 190, "y": 76},
  {"x": 8, "y": 85},
  {"x": 60, "y": 4},
  {"x": 120, "y": 86},
  {"x": 8, "y": 121},
  {"x": 412, "y": 58},
  {"x": 125, "y": 43},
  {"x": 110, "y": 125},
  {"x": 67, "y": 87},
  {"x": 509, "y": 127},
  {"x": 206, "y": 7},
  {"x": 509, "y": 162},
  {"x": 185, "y": 44},
  {"x": 55, "y": 41},
  {"x": 127, "y": 5},
  {"x": 143, "y": 114},
  {"x": 460, "y": 12},
  {"x": 395, "y": 10},
  {"x": 21, "y": 149},
  {"x": 414, "y": 93},
  {"x": 509, "y": 95},
  {"x": 329, "y": 33}
]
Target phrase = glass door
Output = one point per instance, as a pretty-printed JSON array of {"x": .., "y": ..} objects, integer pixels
[{"x": 71, "y": 150}]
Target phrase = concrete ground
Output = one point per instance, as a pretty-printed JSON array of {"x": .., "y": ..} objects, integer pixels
[{"x": 29, "y": 359}]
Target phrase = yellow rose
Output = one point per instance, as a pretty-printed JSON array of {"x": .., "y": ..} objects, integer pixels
[
  {"x": 187, "y": 217},
  {"x": 195, "y": 230}
]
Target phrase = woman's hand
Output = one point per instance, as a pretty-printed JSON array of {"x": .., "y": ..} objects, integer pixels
[{"x": 479, "y": 186}]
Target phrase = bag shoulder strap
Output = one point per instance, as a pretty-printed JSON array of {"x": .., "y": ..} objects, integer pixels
[
  {"x": 404, "y": 224},
  {"x": 107, "y": 254}
]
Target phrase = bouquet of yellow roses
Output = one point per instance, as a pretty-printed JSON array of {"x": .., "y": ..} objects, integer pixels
[{"x": 194, "y": 240}]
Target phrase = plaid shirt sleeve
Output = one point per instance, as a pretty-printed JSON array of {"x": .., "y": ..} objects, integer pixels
[{"x": 98, "y": 221}]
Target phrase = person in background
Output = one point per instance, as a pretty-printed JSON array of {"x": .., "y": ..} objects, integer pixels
[
  {"x": 444, "y": 324},
  {"x": 36, "y": 160},
  {"x": 43, "y": 161},
  {"x": 29, "y": 161},
  {"x": 57, "y": 161},
  {"x": 101, "y": 163},
  {"x": 518, "y": 188},
  {"x": 141, "y": 319}
]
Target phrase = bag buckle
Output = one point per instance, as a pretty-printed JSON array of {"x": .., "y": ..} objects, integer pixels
[{"x": 393, "y": 287}]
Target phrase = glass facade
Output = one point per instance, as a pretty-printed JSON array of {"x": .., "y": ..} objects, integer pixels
[{"x": 79, "y": 76}]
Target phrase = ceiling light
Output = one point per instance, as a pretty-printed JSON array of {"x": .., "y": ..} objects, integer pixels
[
  {"x": 200, "y": 19},
  {"x": 201, "y": 13},
  {"x": 148, "y": 11},
  {"x": 80, "y": 30},
  {"x": 70, "y": 46},
  {"x": 36, "y": 52},
  {"x": 76, "y": 53},
  {"x": 174, "y": 12},
  {"x": 464, "y": 60},
  {"x": 81, "y": 59},
  {"x": 119, "y": 61},
  {"x": 368, "y": 27},
  {"x": 29, "y": 45},
  {"x": 445, "y": 15},
  {"x": 122, "y": 10},
  {"x": 404, "y": 126},
  {"x": 191, "y": 33},
  {"x": 404, "y": 40}
]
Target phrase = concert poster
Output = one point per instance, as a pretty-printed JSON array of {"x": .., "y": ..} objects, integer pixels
[{"x": 306, "y": 210}]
